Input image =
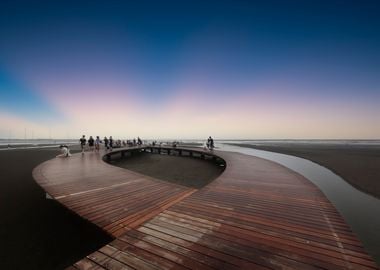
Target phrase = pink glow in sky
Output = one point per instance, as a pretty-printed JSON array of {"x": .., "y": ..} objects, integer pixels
[{"x": 109, "y": 111}]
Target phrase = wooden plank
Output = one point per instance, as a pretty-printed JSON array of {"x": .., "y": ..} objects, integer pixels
[
  {"x": 86, "y": 264},
  {"x": 107, "y": 262},
  {"x": 257, "y": 253},
  {"x": 191, "y": 254},
  {"x": 224, "y": 258},
  {"x": 294, "y": 236},
  {"x": 244, "y": 219},
  {"x": 164, "y": 253},
  {"x": 267, "y": 243},
  {"x": 158, "y": 261}
]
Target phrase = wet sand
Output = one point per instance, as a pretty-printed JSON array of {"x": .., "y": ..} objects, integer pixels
[
  {"x": 359, "y": 165},
  {"x": 187, "y": 171},
  {"x": 37, "y": 233}
]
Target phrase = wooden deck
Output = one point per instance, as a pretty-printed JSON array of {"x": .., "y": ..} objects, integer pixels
[{"x": 256, "y": 215}]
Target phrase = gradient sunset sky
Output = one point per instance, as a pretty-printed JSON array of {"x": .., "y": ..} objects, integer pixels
[{"x": 190, "y": 69}]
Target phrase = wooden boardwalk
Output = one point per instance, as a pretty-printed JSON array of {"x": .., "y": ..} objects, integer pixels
[{"x": 256, "y": 215}]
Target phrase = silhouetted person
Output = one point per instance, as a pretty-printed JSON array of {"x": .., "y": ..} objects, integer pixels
[
  {"x": 97, "y": 144},
  {"x": 210, "y": 143},
  {"x": 106, "y": 143},
  {"x": 111, "y": 143},
  {"x": 91, "y": 142},
  {"x": 83, "y": 143}
]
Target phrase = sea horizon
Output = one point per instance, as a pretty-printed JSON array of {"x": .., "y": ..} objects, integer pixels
[{"x": 4, "y": 141}]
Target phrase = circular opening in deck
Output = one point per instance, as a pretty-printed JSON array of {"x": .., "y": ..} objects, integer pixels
[{"x": 188, "y": 169}]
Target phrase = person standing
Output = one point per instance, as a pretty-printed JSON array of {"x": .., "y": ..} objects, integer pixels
[
  {"x": 83, "y": 143},
  {"x": 91, "y": 143},
  {"x": 97, "y": 144},
  {"x": 106, "y": 143},
  {"x": 211, "y": 143},
  {"x": 111, "y": 143}
]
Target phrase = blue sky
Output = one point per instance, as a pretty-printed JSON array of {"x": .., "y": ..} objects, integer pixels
[{"x": 60, "y": 56}]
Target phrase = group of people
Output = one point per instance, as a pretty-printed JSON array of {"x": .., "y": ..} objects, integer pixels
[
  {"x": 134, "y": 142},
  {"x": 94, "y": 144},
  {"x": 109, "y": 143}
]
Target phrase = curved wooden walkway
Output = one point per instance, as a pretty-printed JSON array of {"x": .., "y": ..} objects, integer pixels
[{"x": 256, "y": 215}]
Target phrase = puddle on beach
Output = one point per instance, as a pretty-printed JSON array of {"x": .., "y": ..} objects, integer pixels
[{"x": 360, "y": 210}]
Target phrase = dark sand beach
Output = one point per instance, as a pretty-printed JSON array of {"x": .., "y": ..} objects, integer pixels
[
  {"x": 37, "y": 233},
  {"x": 357, "y": 164},
  {"x": 187, "y": 171}
]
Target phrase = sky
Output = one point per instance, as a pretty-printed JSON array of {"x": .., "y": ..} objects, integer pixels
[{"x": 190, "y": 69}]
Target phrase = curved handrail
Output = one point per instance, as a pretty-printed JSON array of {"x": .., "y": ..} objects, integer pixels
[{"x": 180, "y": 150}]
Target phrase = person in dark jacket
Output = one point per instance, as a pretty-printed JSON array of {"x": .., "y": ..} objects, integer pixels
[
  {"x": 111, "y": 142},
  {"x": 106, "y": 143},
  {"x": 82, "y": 143},
  {"x": 91, "y": 142}
]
